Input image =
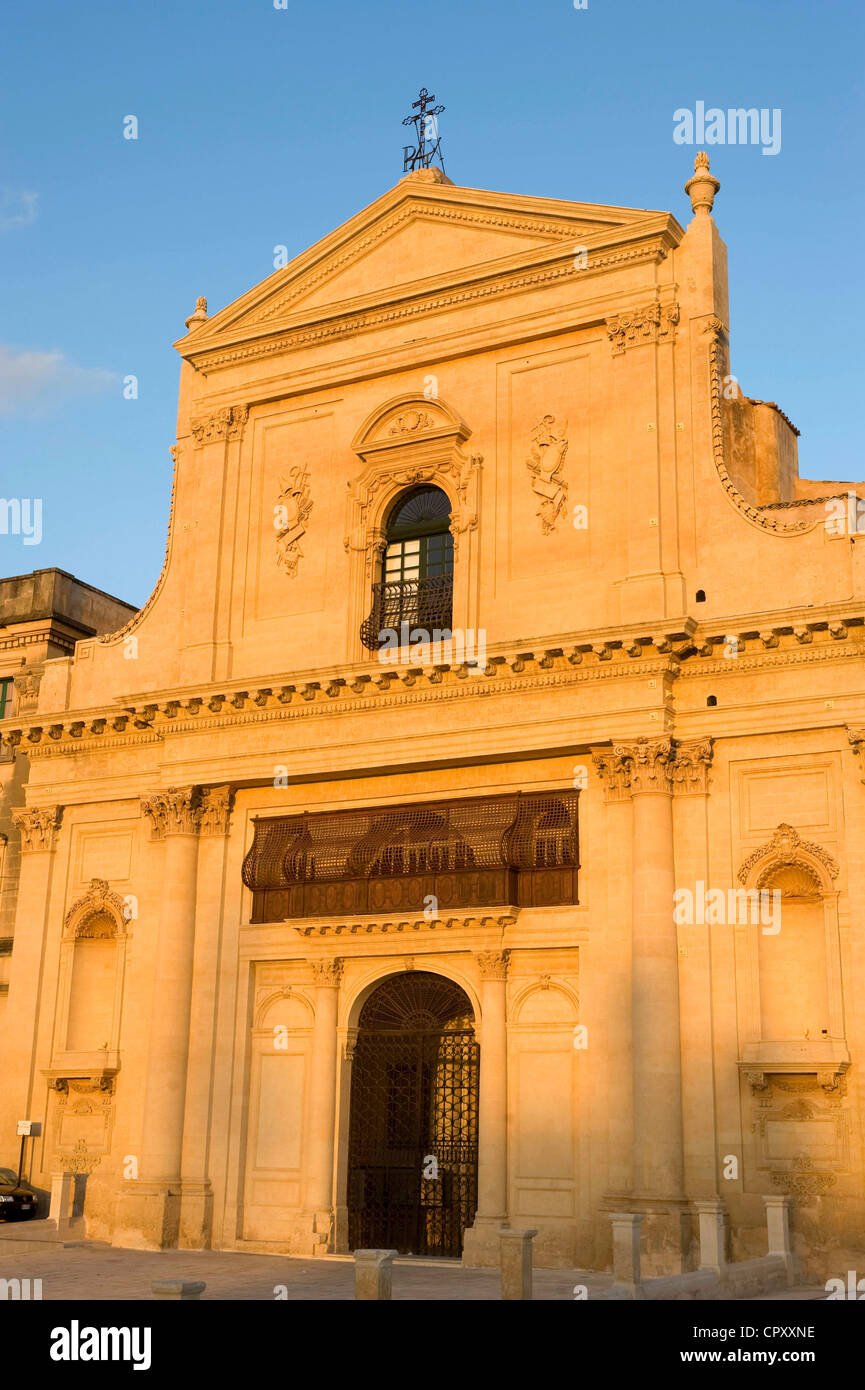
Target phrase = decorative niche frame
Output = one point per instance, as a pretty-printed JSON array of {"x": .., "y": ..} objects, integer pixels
[
  {"x": 411, "y": 440},
  {"x": 802, "y": 871},
  {"x": 100, "y": 913}
]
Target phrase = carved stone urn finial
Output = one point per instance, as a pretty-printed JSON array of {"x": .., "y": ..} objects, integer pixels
[
  {"x": 200, "y": 315},
  {"x": 702, "y": 186}
]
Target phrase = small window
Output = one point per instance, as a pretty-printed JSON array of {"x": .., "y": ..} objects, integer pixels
[
  {"x": 712, "y": 700},
  {"x": 5, "y": 697},
  {"x": 701, "y": 596}
]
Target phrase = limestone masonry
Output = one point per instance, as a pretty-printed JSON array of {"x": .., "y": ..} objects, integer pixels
[{"x": 496, "y": 629}]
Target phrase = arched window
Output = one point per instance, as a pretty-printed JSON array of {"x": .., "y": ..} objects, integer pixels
[{"x": 416, "y": 583}]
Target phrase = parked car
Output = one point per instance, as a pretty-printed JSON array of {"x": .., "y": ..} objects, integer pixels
[{"x": 18, "y": 1201}]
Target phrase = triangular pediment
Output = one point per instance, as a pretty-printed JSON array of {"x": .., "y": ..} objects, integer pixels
[{"x": 421, "y": 235}]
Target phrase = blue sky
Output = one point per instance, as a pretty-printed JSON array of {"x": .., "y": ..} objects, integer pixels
[{"x": 261, "y": 126}]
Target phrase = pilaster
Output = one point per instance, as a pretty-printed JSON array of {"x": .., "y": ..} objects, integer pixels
[
  {"x": 39, "y": 828},
  {"x": 148, "y": 1209},
  {"x": 481, "y": 1246}
]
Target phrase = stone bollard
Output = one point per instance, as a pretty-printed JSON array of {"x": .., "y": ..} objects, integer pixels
[
  {"x": 713, "y": 1217},
  {"x": 626, "y": 1247},
  {"x": 62, "y": 1197},
  {"x": 373, "y": 1273},
  {"x": 178, "y": 1288},
  {"x": 516, "y": 1262}
]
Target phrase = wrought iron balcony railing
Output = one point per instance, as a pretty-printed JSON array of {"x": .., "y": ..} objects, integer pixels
[{"x": 421, "y": 603}]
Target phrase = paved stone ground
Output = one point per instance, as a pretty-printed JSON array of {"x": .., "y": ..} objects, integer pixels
[{"x": 105, "y": 1273}]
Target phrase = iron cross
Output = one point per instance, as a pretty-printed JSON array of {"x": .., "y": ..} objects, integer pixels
[{"x": 422, "y": 155}]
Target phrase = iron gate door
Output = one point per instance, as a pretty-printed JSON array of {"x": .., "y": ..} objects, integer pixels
[{"x": 413, "y": 1148}]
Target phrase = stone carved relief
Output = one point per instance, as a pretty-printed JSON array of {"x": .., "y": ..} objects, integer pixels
[
  {"x": 654, "y": 324},
  {"x": 546, "y": 463},
  {"x": 80, "y": 1160},
  {"x": 84, "y": 1119},
  {"x": 787, "y": 849},
  {"x": 809, "y": 1171},
  {"x": 38, "y": 827},
  {"x": 99, "y": 902},
  {"x": 412, "y": 420},
  {"x": 803, "y": 1180},
  {"x": 290, "y": 517}
]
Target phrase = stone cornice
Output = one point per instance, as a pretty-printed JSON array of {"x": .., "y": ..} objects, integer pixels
[
  {"x": 10, "y": 641},
  {"x": 396, "y": 925},
  {"x": 341, "y": 322},
  {"x": 678, "y": 654}
]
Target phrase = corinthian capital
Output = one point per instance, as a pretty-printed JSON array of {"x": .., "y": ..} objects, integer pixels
[
  {"x": 655, "y": 323},
  {"x": 216, "y": 805},
  {"x": 38, "y": 827},
  {"x": 614, "y": 770},
  {"x": 226, "y": 423},
  {"x": 173, "y": 812},
  {"x": 649, "y": 762},
  {"x": 493, "y": 965},
  {"x": 327, "y": 973},
  {"x": 691, "y": 765}
]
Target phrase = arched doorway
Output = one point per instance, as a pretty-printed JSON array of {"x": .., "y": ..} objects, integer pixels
[{"x": 413, "y": 1125}]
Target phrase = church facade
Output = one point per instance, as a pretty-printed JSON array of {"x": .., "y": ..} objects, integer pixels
[{"x": 468, "y": 829}]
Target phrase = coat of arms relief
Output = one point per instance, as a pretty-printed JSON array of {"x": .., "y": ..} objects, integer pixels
[
  {"x": 546, "y": 469},
  {"x": 290, "y": 514}
]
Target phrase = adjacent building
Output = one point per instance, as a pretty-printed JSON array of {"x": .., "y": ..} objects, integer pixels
[{"x": 42, "y": 616}]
